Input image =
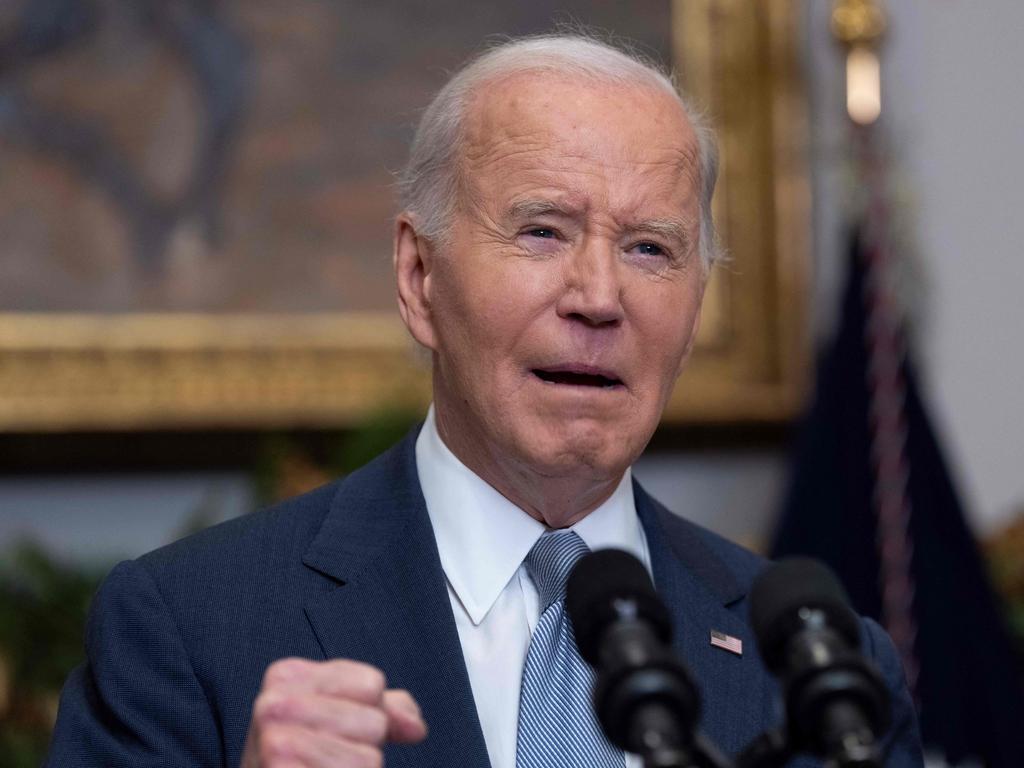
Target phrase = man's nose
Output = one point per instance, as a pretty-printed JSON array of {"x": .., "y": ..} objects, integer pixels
[{"x": 593, "y": 285}]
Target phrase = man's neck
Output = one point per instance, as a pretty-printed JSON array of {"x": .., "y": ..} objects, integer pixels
[{"x": 558, "y": 501}]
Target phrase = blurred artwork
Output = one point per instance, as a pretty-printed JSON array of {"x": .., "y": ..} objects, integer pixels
[
  {"x": 196, "y": 202},
  {"x": 236, "y": 156}
]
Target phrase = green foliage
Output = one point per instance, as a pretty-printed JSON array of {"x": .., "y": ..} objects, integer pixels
[
  {"x": 22, "y": 747},
  {"x": 293, "y": 464},
  {"x": 43, "y": 605},
  {"x": 371, "y": 438},
  {"x": 1004, "y": 552}
]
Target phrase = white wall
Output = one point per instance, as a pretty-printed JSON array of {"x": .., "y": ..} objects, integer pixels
[{"x": 953, "y": 112}]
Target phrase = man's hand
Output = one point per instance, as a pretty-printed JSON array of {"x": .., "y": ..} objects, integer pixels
[{"x": 333, "y": 713}]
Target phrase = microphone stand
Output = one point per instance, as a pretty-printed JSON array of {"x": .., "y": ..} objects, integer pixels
[
  {"x": 769, "y": 750},
  {"x": 701, "y": 754},
  {"x": 661, "y": 745}
]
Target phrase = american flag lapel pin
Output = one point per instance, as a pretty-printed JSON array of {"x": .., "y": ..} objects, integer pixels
[{"x": 726, "y": 642}]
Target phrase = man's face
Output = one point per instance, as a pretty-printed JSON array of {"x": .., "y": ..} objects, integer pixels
[{"x": 567, "y": 299}]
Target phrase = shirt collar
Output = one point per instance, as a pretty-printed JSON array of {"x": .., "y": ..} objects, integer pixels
[
  {"x": 483, "y": 538},
  {"x": 615, "y": 523}
]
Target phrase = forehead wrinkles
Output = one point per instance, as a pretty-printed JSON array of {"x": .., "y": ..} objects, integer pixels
[
  {"x": 548, "y": 129},
  {"x": 498, "y": 126},
  {"x": 517, "y": 168},
  {"x": 688, "y": 162}
]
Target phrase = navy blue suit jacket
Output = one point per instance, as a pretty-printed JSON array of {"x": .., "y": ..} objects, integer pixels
[{"x": 179, "y": 639}]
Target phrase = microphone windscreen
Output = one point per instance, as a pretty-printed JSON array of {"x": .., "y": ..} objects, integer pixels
[
  {"x": 601, "y": 586},
  {"x": 780, "y": 594}
]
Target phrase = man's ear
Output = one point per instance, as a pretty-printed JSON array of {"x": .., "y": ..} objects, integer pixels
[{"x": 413, "y": 260}]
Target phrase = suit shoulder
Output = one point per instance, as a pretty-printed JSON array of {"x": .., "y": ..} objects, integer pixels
[
  {"x": 696, "y": 541},
  {"x": 261, "y": 545},
  {"x": 745, "y": 564},
  {"x": 276, "y": 530}
]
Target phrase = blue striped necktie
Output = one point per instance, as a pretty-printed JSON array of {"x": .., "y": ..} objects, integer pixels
[{"x": 557, "y": 726}]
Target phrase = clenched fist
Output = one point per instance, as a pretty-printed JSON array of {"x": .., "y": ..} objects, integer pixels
[{"x": 336, "y": 714}]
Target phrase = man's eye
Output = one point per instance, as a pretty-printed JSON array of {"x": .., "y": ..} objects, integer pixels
[
  {"x": 543, "y": 232},
  {"x": 650, "y": 249}
]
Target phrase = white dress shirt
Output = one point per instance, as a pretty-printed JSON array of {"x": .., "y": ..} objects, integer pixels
[{"x": 483, "y": 538}]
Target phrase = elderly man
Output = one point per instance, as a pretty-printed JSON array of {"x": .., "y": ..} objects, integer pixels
[{"x": 552, "y": 257}]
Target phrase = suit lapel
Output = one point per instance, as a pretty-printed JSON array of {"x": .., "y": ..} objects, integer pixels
[
  {"x": 703, "y": 595},
  {"x": 389, "y": 605}
]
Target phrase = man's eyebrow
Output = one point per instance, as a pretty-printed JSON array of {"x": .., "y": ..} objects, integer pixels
[
  {"x": 674, "y": 229},
  {"x": 526, "y": 209}
]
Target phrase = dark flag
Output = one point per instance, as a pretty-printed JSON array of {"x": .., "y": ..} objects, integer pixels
[{"x": 870, "y": 495}]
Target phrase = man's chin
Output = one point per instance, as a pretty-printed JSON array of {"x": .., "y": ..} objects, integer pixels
[{"x": 594, "y": 454}]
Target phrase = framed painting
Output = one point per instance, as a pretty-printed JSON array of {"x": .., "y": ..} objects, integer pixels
[{"x": 196, "y": 203}]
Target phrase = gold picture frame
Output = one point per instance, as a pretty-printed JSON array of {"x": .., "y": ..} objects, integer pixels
[{"x": 114, "y": 372}]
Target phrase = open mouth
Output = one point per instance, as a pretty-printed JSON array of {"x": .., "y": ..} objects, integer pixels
[{"x": 577, "y": 378}]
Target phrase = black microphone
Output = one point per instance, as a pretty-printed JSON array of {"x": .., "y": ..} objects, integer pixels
[
  {"x": 644, "y": 699},
  {"x": 837, "y": 705}
]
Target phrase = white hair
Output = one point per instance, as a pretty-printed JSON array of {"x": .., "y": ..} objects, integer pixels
[{"x": 429, "y": 184}]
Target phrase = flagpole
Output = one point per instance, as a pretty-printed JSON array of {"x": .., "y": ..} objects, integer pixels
[{"x": 860, "y": 25}]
